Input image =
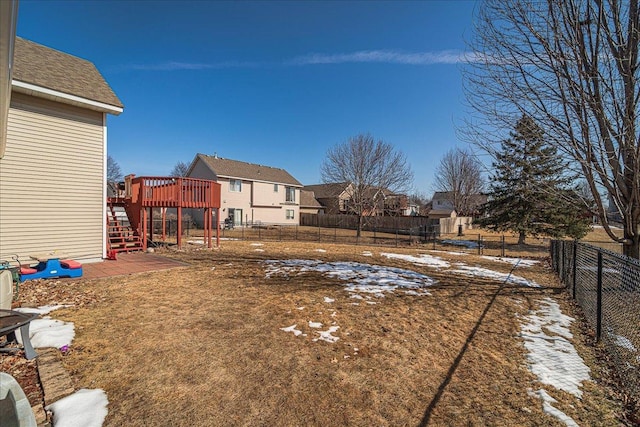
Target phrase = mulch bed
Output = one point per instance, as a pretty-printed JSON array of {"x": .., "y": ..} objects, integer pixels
[{"x": 35, "y": 293}]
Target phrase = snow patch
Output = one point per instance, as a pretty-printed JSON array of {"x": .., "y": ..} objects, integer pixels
[
  {"x": 293, "y": 329},
  {"x": 423, "y": 259},
  {"x": 466, "y": 243},
  {"x": 548, "y": 408},
  {"x": 359, "y": 278},
  {"x": 513, "y": 261},
  {"x": 552, "y": 357},
  {"x": 496, "y": 275},
  {"x": 326, "y": 335},
  {"x": 86, "y": 408},
  {"x": 315, "y": 325},
  {"x": 45, "y": 309}
]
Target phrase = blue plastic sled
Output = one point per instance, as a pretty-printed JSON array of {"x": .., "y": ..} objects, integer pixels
[{"x": 52, "y": 268}]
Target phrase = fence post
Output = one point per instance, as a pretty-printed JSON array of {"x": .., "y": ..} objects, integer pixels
[
  {"x": 599, "y": 299},
  {"x": 318, "y": 231},
  {"x": 296, "y": 232},
  {"x": 503, "y": 246},
  {"x": 335, "y": 234},
  {"x": 280, "y": 234},
  {"x": 396, "y": 237},
  {"x": 575, "y": 262},
  {"x": 479, "y": 244},
  {"x": 562, "y": 262}
]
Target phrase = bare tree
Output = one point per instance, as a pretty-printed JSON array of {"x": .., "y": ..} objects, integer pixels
[
  {"x": 370, "y": 167},
  {"x": 180, "y": 169},
  {"x": 460, "y": 175},
  {"x": 114, "y": 174},
  {"x": 573, "y": 67}
]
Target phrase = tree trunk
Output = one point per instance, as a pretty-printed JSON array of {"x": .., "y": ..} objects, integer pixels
[
  {"x": 521, "y": 238},
  {"x": 632, "y": 249},
  {"x": 359, "y": 229}
]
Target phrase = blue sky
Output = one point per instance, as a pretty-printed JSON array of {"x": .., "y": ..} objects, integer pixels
[{"x": 274, "y": 83}]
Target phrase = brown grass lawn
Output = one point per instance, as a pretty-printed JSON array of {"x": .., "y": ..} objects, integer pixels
[{"x": 202, "y": 346}]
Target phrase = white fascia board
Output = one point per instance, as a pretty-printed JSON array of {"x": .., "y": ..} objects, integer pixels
[
  {"x": 35, "y": 90},
  {"x": 259, "y": 180}
]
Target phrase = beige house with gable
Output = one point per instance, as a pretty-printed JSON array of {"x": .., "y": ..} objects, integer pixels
[
  {"x": 52, "y": 173},
  {"x": 250, "y": 194}
]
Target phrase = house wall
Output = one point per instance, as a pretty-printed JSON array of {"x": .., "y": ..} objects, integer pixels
[
  {"x": 442, "y": 204},
  {"x": 257, "y": 200},
  {"x": 52, "y": 180}
]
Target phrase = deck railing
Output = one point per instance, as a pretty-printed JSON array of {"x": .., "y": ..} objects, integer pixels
[{"x": 152, "y": 191}]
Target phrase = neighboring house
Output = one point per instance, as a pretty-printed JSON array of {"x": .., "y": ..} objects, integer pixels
[
  {"x": 444, "y": 200},
  {"x": 336, "y": 199},
  {"x": 411, "y": 210},
  {"x": 309, "y": 204},
  {"x": 53, "y": 172},
  {"x": 250, "y": 193}
]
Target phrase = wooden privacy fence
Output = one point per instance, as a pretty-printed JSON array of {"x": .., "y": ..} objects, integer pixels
[{"x": 387, "y": 223}]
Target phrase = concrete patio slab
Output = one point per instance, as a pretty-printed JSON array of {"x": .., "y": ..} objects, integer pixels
[{"x": 129, "y": 264}]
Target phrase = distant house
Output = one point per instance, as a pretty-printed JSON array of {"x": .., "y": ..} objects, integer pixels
[
  {"x": 250, "y": 193},
  {"x": 53, "y": 172},
  {"x": 336, "y": 199},
  {"x": 334, "y": 196},
  {"x": 444, "y": 200}
]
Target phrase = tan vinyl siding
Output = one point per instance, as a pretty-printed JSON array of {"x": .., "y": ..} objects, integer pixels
[{"x": 51, "y": 180}]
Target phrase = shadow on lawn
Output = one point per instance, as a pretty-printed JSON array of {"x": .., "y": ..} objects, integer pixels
[{"x": 456, "y": 362}]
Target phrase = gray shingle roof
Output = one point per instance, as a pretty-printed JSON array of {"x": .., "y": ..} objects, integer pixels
[
  {"x": 49, "y": 68},
  {"x": 249, "y": 171},
  {"x": 308, "y": 199}
]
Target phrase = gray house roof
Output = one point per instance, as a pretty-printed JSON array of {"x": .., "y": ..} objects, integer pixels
[
  {"x": 326, "y": 191},
  {"x": 51, "y": 69},
  {"x": 228, "y": 168},
  {"x": 308, "y": 199}
]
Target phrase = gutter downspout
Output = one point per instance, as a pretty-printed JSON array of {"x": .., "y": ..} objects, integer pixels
[{"x": 8, "y": 23}]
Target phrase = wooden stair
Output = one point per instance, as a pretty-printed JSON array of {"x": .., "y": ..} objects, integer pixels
[{"x": 121, "y": 236}]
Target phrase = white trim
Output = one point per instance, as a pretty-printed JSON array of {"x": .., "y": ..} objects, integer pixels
[
  {"x": 258, "y": 180},
  {"x": 66, "y": 98},
  {"x": 104, "y": 185}
]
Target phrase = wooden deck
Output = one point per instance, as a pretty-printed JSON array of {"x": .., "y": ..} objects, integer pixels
[{"x": 142, "y": 194}]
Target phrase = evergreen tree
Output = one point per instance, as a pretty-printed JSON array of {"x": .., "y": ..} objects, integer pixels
[{"x": 530, "y": 189}]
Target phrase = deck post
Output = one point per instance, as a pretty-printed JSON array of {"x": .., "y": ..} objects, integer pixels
[
  {"x": 164, "y": 224},
  {"x": 207, "y": 224},
  {"x": 179, "y": 227},
  {"x": 144, "y": 229},
  {"x": 217, "y": 228},
  {"x": 205, "y": 227},
  {"x": 151, "y": 223}
]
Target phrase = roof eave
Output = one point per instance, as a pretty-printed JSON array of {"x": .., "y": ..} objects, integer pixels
[
  {"x": 65, "y": 98},
  {"x": 260, "y": 180}
]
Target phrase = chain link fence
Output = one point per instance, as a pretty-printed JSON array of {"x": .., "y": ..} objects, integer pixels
[
  {"x": 470, "y": 241},
  {"x": 607, "y": 287}
]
